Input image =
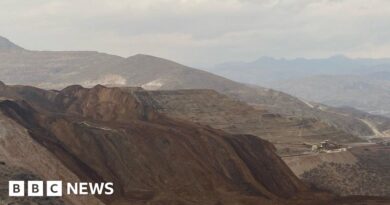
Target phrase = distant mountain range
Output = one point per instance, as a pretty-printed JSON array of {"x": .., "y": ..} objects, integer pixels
[
  {"x": 58, "y": 69},
  {"x": 365, "y": 92},
  {"x": 335, "y": 81}
]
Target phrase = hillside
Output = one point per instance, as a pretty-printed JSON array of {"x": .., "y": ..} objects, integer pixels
[
  {"x": 363, "y": 170},
  {"x": 208, "y": 107},
  {"x": 106, "y": 134}
]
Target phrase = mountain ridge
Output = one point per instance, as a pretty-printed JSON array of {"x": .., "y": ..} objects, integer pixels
[{"x": 55, "y": 69}]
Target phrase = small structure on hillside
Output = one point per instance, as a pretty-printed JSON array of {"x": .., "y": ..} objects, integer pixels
[{"x": 326, "y": 147}]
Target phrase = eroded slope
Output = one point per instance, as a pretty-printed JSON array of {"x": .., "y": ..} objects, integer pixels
[
  {"x": 219, "y": 111},
  {"x": 103, "y": 134}
]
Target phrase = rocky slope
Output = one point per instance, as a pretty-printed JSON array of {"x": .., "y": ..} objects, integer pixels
[
  {"x": 24, "y": 158},
  {"x": 208, "y": 107},
  {"x": 362, "y": 170},
  {"x": 108, "y": 134},
  {"x": 346, "y": 173},
  {"x": 105, "y": 134},
  {"x": 59, "y": 69}
]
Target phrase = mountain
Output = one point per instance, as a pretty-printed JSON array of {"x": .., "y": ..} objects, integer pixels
[
  {"x": 359, "y": 83},
  {"x": 106, "y": 134},
  {"x": 56, "y": 69}
]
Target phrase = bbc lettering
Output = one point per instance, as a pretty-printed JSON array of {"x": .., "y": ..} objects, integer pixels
[
  {"x": 55, "y": 188},
  {"x": 16, "y": 188},
  {"x": 35, "y": 188}
]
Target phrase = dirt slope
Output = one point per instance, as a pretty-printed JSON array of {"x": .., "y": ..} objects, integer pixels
[
  {"x": 108, "y": 134},
  {"x": 362, "y": 170},
  {"x": 222, "y": 112},
  {"x": 104, "y": 134}
]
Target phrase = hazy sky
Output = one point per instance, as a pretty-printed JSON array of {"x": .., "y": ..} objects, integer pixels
[{"x": 202, "y": 32}]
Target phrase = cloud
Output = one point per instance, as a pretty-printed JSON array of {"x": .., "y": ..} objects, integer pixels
[{"x": 202, "y": 32}]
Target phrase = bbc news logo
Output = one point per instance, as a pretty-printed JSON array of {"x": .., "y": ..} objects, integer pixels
[{"x": 55, "y": 188}]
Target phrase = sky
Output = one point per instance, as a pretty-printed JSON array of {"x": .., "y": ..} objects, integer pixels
[{"x": 202, "y": 32}]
